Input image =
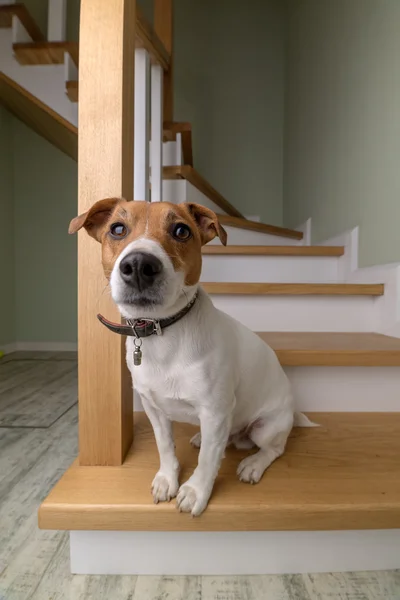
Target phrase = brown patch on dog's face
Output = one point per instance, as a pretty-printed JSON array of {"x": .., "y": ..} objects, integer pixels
[{"x": 181, "y": 230}]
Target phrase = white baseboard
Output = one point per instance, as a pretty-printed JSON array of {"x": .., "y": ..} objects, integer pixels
[
  {"x": 46, "y": 346},
  {"x": 232, "y": 553},
  {"x": 8, "y": 348}
]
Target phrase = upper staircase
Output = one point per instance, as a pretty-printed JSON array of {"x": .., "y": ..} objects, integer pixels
[{"x": 34, "y": 101}]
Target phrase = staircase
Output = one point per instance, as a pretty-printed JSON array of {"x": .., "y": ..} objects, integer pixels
[{"x": 332, "y": 502}]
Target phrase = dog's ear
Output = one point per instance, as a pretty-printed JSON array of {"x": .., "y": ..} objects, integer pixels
[
  {"x": 95, "y": 218},
  {"x": 208, "y": 223}
]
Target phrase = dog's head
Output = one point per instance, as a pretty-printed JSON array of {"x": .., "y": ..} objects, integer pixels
[{"x": 151, "y": 252}]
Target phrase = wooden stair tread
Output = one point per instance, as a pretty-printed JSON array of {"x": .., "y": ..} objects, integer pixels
[
  {"x": 295, "y": 289},
  {"x": 44, "y": 53},
  {"x": 40, "y": 117},
  {"x": 243, "y": 223},
  {"x": 344, "y": 474},
  {"x": 334, "y": 349},
  {"x": 19, "y": 10},
  {"x": 72, "y": 90},
  {"x": 190, "y": 174},
  {"x": 273, "y": 250}
]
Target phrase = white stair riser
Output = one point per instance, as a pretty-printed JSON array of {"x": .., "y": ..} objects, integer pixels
[
  {"x": 172, "y": 155},
  {"x": 339, "y": 389},
  {"x": 274, "y": 269},
  {"x": 345, "y": 389},
  {"x": 301, "y": 313},
  {"x": 232, "y": 553}
]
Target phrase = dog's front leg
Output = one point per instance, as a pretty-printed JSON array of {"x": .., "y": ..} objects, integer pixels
[
  {"x": 194, "y": 494},
  {"x": 165, "y": 484}
]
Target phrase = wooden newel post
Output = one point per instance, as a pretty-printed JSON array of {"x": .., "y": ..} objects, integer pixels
[{"x": 105, "y": 168}]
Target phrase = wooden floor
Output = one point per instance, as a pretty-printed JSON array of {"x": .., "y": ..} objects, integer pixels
[{"x": 34, "y": 565}]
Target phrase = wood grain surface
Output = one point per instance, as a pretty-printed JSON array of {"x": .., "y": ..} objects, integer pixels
[{"x": 344, "y": 474}]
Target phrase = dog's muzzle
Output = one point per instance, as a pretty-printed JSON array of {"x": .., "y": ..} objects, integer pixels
[{"x": 140, "y": 270}]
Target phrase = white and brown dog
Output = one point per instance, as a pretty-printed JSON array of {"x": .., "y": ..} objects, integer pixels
[{"x": 206, "y": 368}]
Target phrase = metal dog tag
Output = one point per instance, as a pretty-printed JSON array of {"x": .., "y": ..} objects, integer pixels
[{"x": 137, "y": 353}]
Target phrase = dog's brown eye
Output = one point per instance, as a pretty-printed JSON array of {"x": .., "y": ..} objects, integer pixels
[
  {"x": 118, "y": 230},
  {"x": 181, "y": 232}
]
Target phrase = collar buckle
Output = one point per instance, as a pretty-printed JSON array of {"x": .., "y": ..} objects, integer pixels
[{"x": 142, "y": 324}]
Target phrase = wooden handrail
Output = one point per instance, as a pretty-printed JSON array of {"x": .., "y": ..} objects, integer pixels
[
  {"x": 19, "y": 10},
  {"x": 163, "y": 26},
  {"x": 39, "y": 117}
]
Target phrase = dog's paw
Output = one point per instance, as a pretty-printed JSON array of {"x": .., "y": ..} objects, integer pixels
[
  {"x": 191, "y": 499},
  {"x": 164, "y": 487},
  {"x": 250, "y": 469},
  {"x": 196, "y": 440}
]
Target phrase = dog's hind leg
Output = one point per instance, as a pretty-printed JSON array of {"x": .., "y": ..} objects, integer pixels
[{"x": 270, "y": 435}]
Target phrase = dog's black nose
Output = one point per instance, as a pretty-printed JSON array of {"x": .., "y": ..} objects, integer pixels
[{"x": 140, "y": 269}]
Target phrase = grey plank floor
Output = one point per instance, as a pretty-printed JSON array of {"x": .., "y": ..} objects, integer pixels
[{"x": 34, "y": 565}]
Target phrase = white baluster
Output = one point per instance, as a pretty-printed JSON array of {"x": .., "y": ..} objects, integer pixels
[
  {"x": 142, "y": 129},
  {"x": 156, "y": 132},
  {"x": 57, "y": 21}
]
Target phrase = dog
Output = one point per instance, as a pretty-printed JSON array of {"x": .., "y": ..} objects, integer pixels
[{"x": 205, "y": 368}]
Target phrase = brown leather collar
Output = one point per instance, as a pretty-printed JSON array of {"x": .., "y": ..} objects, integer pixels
[{"x": 141, "y": 328}]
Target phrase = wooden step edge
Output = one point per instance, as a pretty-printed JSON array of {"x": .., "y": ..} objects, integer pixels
[
  {"x": 214, "y": 249},
  {"x": 38, "y": 116},
  {"x": 294, "y": 289},
  {"x": 72, "y": 90},
  {"x": 341, "y": 475},
  {"x": 45, "y": 53},
  {"x": 19, "y": 10},
  {"x": 243, "y": 223},
  {"x": 334, "y": 349},
  {"x": 190, "y": 174}
]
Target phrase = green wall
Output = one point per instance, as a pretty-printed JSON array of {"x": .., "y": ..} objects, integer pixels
[
  {"x": 7, "y": 290},
  {"x": 342, "y": 129},
  {"x": 229, "y": 83},
  {"x": 45, "y": 195},
  {"x": 38, "y": 10}
]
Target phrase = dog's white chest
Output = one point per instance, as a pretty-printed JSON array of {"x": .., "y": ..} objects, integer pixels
[{"x": 170, "y": 387}]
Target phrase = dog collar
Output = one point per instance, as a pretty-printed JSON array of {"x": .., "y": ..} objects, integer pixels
[{"x": 141, "y": 328}]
